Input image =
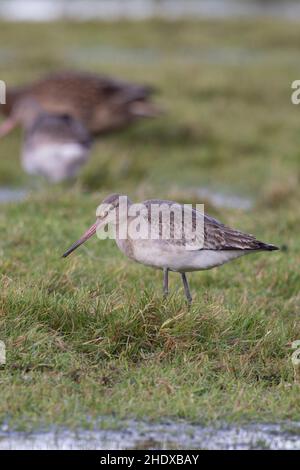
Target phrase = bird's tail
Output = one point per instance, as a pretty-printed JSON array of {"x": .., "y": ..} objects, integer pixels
[{"x": 267, "y": 247}]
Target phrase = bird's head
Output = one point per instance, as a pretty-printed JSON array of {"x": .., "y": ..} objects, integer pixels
[{"x": 113, "y": 210}]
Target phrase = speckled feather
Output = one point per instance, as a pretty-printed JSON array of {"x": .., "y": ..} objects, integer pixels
[{"x": 217, "y": 236}]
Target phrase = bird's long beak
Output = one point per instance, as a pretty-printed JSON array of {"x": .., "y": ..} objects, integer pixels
[
  {"x": 7, "y": 126},
  {"x": 88, "y": 234}
]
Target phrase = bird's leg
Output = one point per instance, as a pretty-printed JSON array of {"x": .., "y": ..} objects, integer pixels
[
  {"x": 186, "y": 288},
  {"x": 166, "y": 282}
]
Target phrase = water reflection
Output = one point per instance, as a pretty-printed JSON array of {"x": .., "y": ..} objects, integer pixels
[{"x": 133, "y": 434}]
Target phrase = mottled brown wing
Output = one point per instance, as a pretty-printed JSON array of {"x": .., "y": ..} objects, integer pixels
[{"x": 216, "y": 236}]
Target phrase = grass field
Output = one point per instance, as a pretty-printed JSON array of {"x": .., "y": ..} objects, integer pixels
[{"x": 91, "y": 335}]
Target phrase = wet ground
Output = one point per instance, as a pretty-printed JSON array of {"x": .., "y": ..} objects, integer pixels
[
  {"x": 47, "y": 10},
  {"x": 12, "y": 195},
  {"x": 232, "y": 56},
  {"x": 216, "y": 199},
  {"x": 223, "y": 200},
  {"x": 169, "y": 435}
]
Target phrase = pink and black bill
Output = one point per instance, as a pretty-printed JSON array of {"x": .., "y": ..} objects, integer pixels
[{"x": 88, "y": 234}]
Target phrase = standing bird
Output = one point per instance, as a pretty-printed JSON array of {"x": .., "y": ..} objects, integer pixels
[
  {"x": 101, "y": 103},
  {"x": 55, "y": 146},
  {"x": 206, "y": 243}
]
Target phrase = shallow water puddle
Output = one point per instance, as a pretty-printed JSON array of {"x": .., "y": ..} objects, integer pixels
[
  {"x": 169, "y": 435},
  {"x": 224, "y": 200},
  {"x": 49, "y": 10},
  {"x": 12, "y": 195},
  {"x": 231, "y": 56},
  {"x": 218, "y": 199}
]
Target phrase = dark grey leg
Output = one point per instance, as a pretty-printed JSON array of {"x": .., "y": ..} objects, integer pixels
[
  {"x": 166, "y": 282},
  {"x": 186, "y": 288}
]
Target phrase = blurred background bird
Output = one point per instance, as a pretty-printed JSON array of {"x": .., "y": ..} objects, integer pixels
[
  {"x": 54, "y": 145},
  {"x": 102, "y": 104}
]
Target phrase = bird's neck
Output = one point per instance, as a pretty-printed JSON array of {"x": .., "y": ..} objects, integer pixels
[
  {"x": 123, "y": 239},
  {"x": 122, "y": 235}
]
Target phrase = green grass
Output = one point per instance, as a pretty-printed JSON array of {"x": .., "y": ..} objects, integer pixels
[{"x": 91, "y": 335}]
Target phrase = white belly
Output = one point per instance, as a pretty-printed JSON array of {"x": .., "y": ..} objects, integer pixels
[
  {"x": 56, "y": 162},
  {"x": 176, "y": 258}
]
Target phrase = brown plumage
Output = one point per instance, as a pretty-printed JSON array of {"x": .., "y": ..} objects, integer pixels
[
  {"x": 101, "y": 103},
  {"x": 217, "y": 236}
]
